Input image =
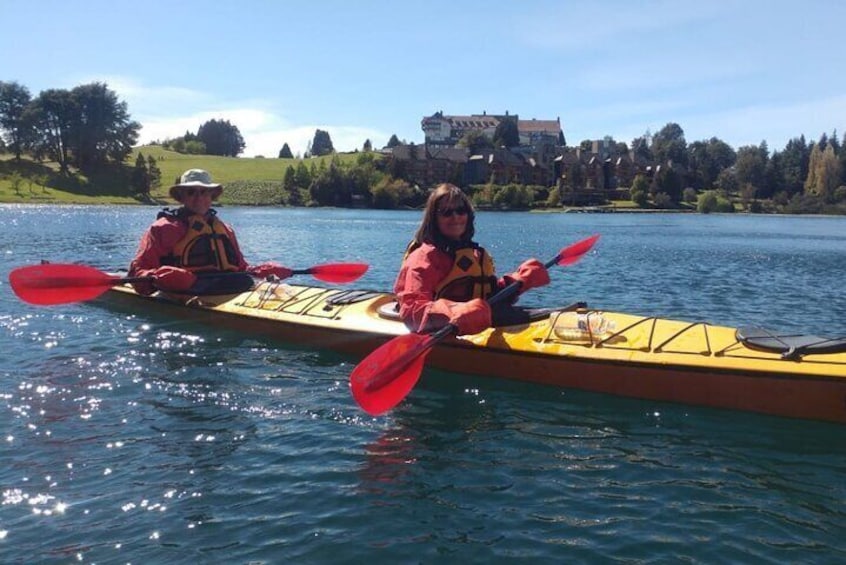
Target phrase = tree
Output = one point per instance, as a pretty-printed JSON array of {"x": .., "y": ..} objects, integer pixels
[
  {"x": 823, "y": 173},
  {"x": 101, "y": 129},
  {"x": 506, "y": 133},
  {"x": 52, "y": 114},
  {"x": 773, "y": 177},
  {"x": 476, "y": 141},
  {"x": 139, "y": 180},
  {"x": 834, "y": 142},
  {"x": 302, "y": 176},
  {"x": 285, "y": 152},
  {"x": 640, "y": 191},
  {"x": 842, "y": 156},
  {"x": 393, "y": 142},
  {"x": 14, "y": 100},
  {"x": 751, "y": 165},
  {"x": 669, "y": 145},
  {"x": 289, "y": 180},
  {"x": 221, "y": 138},
  {"x": 321, "y": 144},
  {"x": 706, "y": 159},
  {"x": 641, "y": 147},
  {"x": 289, "y": 186},
  {"x": 367, "y": 147},
  {"x": 669, "y": 182},
  {"x": 389, "y": 193},
  {"x": 794, "y": 165},
  {"x": 329, "y": 187},
  {"x": 727, "y": 181},
  {"x": 153, "y": 172}
]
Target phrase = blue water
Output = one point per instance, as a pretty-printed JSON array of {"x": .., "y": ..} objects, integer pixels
[{"x": 131, "y": 437}]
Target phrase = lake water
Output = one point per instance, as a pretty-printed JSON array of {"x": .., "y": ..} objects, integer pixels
[{"x": 134, "y": 438}]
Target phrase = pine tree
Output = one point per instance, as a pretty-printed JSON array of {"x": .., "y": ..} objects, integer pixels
[
  {"x": 153, "y": 172},
  {"x": 322, "y": 144},
  {"x": 140, "y": 178},
  {"x": 285, "y": 152}
]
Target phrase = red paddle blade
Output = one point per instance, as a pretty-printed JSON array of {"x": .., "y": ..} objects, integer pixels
[
  {"x": 56, "y": 283},
  {"x": 388, "y": 374},
  {"x": 573, "y": 253},
  {"x": 338, "y": 272}
]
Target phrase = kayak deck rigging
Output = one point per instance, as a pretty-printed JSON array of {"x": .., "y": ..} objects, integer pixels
[{"x": 747, "y": 340}]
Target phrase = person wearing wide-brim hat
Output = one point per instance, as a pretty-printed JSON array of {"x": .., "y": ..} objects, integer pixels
[
  {"x": 192, "y": 239},
  {"x": 194, "y": 180}
]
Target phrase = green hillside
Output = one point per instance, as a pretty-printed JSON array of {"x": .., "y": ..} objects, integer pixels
[{"x": 252, "y": 180}]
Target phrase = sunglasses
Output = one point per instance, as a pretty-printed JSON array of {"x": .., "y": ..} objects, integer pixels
[
  {"x": 450, "y": 212},
  {"x": 197, "y": 191}
]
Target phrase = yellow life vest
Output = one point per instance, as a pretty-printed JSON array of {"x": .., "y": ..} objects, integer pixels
[
  {"x": 206, "y": 247},
  {"x": 471, "y": 276}
]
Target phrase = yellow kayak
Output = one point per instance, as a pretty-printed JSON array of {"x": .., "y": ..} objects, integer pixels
[{"x": 637, "y": 356}]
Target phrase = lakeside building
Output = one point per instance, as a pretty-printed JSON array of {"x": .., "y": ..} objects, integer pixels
[
  {"x": 541, "y": 158},
  {"x": 441, "y": 130}
]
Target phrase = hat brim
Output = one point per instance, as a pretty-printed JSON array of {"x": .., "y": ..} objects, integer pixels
[{"x": 176, "y": 190}]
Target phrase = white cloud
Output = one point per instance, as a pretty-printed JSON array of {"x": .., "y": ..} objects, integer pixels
[
  {"x": 168, "y": 112},
  {"x": 268, "y": 142}
]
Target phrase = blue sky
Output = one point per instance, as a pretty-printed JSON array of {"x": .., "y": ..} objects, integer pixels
[{"x": 744, "y": 71}]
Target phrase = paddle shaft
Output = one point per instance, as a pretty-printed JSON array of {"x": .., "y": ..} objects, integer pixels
[
  {"x": 514, "y": 287},
  {"x": 56, "y": 283},
  {"x": 150, "y": 278}
]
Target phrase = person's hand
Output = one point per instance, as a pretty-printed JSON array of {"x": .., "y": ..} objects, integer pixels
[
  {"x": 469, "y": 317},
  {"x": 174, "y": 278},
  {"x": 531, "y": 274},
  {"x": 265, "y": 270}
]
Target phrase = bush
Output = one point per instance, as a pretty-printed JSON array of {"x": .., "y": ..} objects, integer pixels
[
  {"x": 663, "y": 200},
  {"x": 639, "y": 197},
  {"x": 725, "y": 206},
  {"x": 554, "y": 198},
  {"x": 710, "y": 201},
  {"x": 689, "y": 195},
  {"x": 707, "y": 202},
  {"x": 640, "y": 190}
]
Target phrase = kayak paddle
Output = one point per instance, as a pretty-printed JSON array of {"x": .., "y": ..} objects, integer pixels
[
  {"x": 335, "y": 272},
  {"x": 59, "y": 283},
  {"x": 387, "y": 375}
]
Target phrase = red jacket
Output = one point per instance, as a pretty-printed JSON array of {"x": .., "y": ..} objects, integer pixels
[
  {"x": 159, "y": 240},
  {"x": 419, "y": 277}
]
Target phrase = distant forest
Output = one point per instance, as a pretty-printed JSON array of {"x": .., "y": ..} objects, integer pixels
[{"x": 87, "y": 130}]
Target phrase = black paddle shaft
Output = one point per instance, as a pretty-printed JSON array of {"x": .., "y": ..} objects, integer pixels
[{"x": 509, "y": 291}]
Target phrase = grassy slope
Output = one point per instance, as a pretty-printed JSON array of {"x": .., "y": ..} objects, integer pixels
[{"x": 111, "y": 187}]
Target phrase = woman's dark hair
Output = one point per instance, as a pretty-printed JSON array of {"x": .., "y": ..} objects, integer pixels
[{"x": 444, "y": 196}]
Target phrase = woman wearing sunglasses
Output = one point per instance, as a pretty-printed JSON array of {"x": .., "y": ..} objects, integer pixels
[
  {"x": 446, "y": 276},
  {"x": 191, "y": 239}
]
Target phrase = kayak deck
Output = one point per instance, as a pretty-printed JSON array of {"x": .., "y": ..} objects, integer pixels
[{"x": 642, "y": 357}]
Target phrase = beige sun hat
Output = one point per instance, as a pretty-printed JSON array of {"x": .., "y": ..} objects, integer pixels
[{"x": 195, "y": 178}]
